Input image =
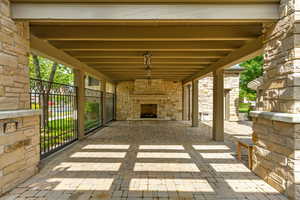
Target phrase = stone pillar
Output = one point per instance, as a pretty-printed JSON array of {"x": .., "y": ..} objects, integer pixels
[
  {"x": 19, "y": 126},
  {"x": 276, "y": 123},
  {"x": 218, "y": 106},
  {"x": 103, "y": 89},
  {"x": 80, "y": 83},
  {"x": 195, "y": 104}
]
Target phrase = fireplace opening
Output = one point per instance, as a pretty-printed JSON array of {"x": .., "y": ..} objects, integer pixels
[{"x": 148, "y": 110}]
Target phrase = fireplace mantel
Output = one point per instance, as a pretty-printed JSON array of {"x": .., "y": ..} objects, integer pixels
[{"x": 149, "y": 96}]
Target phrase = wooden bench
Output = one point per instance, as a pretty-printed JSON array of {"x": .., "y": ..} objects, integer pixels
[{"x": 248, "y": 144}]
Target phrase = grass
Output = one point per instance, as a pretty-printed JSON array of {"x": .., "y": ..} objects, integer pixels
[
  {"x": 58, "y": 132},
  {"x": 244, "y": 107}
]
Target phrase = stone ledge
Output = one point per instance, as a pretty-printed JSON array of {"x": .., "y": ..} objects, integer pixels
[
  {"x": 18, "y": 113},
  {"x": 277, "y": 116}
]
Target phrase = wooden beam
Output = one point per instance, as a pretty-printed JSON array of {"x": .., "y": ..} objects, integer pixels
[
  {"x": 129, "y": 66},
  {"x": 259, "y": 12},
  {"x": 147, "y": 46},
  {"x": 80, "y": 83},
  {"x": 147, "y": 33},
  {"x": 248, "y": 51},
  {"x": 45, "y": 49},
  {"x": 154, "y": 63},
  {"x": 148, "y": 1},
  {"x": 195, "y": 103},
  {"x": 141, "y": 60},
  {"x": 218, "y": 106},
  {"x": 154, "y": 70},
  {"x": 140, "y": 54}
]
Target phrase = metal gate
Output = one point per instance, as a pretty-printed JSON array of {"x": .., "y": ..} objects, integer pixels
[{"x": 58, "y": 103}]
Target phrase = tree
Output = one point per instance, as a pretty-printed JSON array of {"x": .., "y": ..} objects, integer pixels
[
  {"x": 44, "y": 69},
  {"x": 253, "y": 70},
  {"x": 63, "y": 74}
]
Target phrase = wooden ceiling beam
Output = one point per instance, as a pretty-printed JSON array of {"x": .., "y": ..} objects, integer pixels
[
  {"x": 169, "y": 67},
  {"x": 258, "y": 12},
  {"x": 246, "y": 52},
  {"x": 139, "y": 54},
  {"x": 43, "y": 48},
  {"x": 147, "y": 33},
  {"x": 148, "y": 46},
  {"x": 141, "y": 60},
  {"x": 153, "y": 70}
]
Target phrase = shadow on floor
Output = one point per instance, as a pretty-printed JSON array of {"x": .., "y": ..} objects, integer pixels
[{"x": 145, "y": 160}]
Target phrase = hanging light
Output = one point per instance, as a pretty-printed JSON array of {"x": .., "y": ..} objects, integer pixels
[{"x": 147, "y": 63}]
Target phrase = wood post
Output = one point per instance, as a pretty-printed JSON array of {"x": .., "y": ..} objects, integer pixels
[
  {"x": 218, "y": 106},
  {"x": 195, "y": 106},
  {"x": 80, "y": 83},
  {"x": 185, "y": 103},
  {"x": 103, "y": 89}
]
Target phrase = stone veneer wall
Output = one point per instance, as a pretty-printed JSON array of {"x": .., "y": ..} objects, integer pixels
[
  {"x": 19, "y": 150},
  {"x": 231, "y": 83},
  {"x": 277, "y": 140},
  {"x": 168, "y": 96},
  {"x": 14, "y": 48},
  {"x": 274, "y": 156},
  {"x": 19, "y": 127}
]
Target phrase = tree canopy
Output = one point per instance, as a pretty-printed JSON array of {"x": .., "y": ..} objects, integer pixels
[
  {"x": 61, "y": 73},
  {"x": 253, "y": 70}
]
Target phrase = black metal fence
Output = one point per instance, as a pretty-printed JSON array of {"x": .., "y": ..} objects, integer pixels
[
  {"x": 58, "y": 103},
  {"x": 93, "y": 110},
  {"x": 110, "y": 106}
]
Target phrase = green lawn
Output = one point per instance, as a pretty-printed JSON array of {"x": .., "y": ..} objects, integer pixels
[{"x": 244, "y": 107}]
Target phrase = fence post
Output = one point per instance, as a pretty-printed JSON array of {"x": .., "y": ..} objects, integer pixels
[{"x": 80, "y": 83}]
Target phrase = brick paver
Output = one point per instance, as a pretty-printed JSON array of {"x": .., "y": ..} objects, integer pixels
[{"x": 145, "y": 160}]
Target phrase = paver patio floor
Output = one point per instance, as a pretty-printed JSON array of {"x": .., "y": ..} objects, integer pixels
[{"x": 145, "y": 160}]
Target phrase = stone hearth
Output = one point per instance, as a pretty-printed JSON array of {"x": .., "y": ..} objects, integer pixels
[{"x": 167, "y": 95}]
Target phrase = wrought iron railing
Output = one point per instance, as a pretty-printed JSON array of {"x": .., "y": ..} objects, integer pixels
[
  {"x": 58, "y": 103},
  {"x": 93, "y": 110}
]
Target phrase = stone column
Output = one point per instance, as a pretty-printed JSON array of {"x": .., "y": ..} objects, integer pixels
[
  {"x": 103, "y": 89},
  {"x": 218, "y": 106},
  {"x": 80, "y": 83},
  {"x": 195, "y": 104},
  {"x": 19, "y": 126},
  {"x": 276, "y": 123}
]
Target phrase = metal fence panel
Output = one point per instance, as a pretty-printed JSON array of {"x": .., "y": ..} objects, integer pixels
[
  {"x": 58, "y": 103},
  {"x": 93, "y": 110},
  {"x": 110, "y": 106}
]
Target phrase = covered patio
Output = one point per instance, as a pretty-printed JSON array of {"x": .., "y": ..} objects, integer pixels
[
  {"x": 146, "y": 58},
  {"x": 145, "y": 160}
]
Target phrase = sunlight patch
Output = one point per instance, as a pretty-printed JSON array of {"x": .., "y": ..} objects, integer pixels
[
  {"x": 105, "y": 146},
  {"x": 81, "y": 183},
  {"x": 211, "y": 147},
  {"x": 217, "y": 155},
  {"x": 85, "y": 166},
  {"x": 99, "y": 155},
  {"x": 162, "y": 155},
  {"x": 166, "y": 167},
  {"x": 180, "y": 185},
  {"x": 251, "y": 186},
  {"x": 235, "y": 168},
  {"x": 162, "y": 147}
]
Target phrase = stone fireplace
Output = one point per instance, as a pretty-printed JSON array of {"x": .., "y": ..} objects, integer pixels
[
  {"x": 146, "y": 99},
  {"x": 148, "y": 110}
]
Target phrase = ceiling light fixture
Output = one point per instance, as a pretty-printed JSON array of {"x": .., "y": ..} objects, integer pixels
[{"x": 147, "y": 63}]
